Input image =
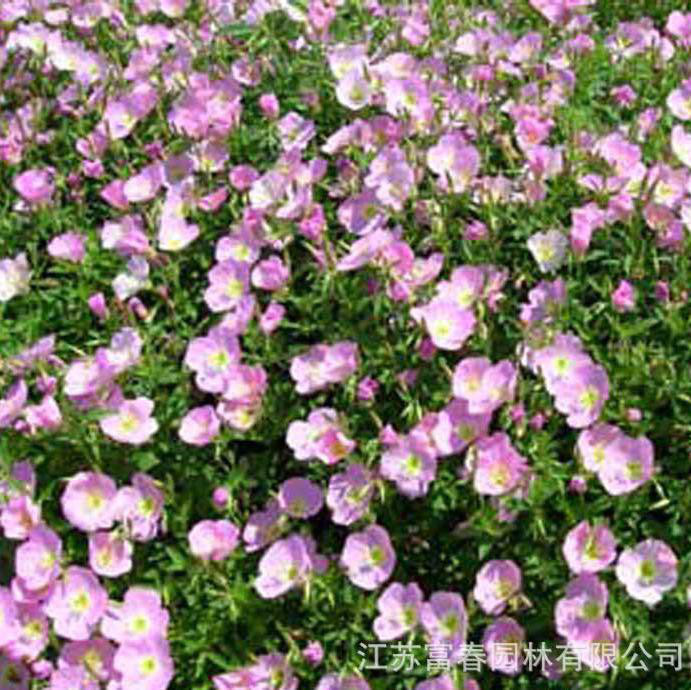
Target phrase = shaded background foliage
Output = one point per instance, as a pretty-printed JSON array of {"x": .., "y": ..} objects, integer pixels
[{"x": 217, "y": 620}]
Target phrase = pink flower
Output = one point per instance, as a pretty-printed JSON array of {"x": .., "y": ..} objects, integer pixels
[
  {"x": 68, "y": 677},
  {"x": 624, "y": 297},
  {"x": 367, "y": 389},
  {"x": 475, "y": 230},
  {"x": 391, "y": 177},
  {"x": 320, "y": 437},
  {"x": 126, "y": 236},
  {"x": 628, "y": 464},
  {"x": 132, "y": 423},
  {"x": 110, "y": 554},
  {"x": 503, "y": 641},
  {"x": 144, "y": 185},
  {"x": 241, "y": 177},
  {"x": 77, "y": 604},
  {"x": 37, "y": 560},
  {"x": 295, "y": 131},
  {"x": 113, "y": 194},
  {"x": 323, "y": 365},
  {"x": 583, "y": 395},
  {"x": 349, "y": 494},
  {"x": 648, "y": 570},
  {"x": 679, "y": 26},
  {"x": 578, "y": 484},
  {"x": 399, "y": 611},
  {"x": 263, "y": 527},
  {"x": 271, "y": 318},
  {"x": 365, "y": 250},
  {"x": 45, "y": 415},
  {"x": 445, "y": 620},
  {"x": 36, "y": 186},
  {"x": 200, "y": 426},
  {"x": 681, "y": 145},
  {"x": 270, "y": 274},
  {"x": 623, "y": 95},
  {"x": 362, "y": 213},
  {"x": 584, "y": 221},
  {"x": 313, "y": 653},
  {"x": 139, "y": 616},
  {"x": 70, "y": 246},
  {"x": 497, "y": 467},
  {"x": 300, "y": 498},
  {"x": 144, "y": 664},
  {"x": 88, "y": 501},
  {"x": 595, "y": 645},
  {"x": 368, "y": 557},
  {"x": 140, "y": 507},
  {"x": 242, "y": 399},
  {"x": 584, "y": 603},
  {"x": 495, "y": 584},
  {"x": 213, "y": 357},
  {"x": 485, "y": 386},
  {"x": 288, "y": 563},
  {"x": 220, "y": 497},
  {"x": 589, "y": 549},
  {"x": 448, "y": 325},
  {"x": 213, "y": 539},
  {"x": 18, "y": 516},
  {"x": 353, "y": 90},
  {"x": 455, "y": 162},
  {"x": 465, "y": 288},
  {"x": 268, "y": 102},
  {"x": 174, "y": 232},
  {"x": 95, "y": 656},
  {"x": 456, "y": 427},
  {"x": 228, "y": 284},
  {"x": 662, "y": 291},
  {"x": 32, "y": 636},
  {"x": 410, "y": 464},
  {"x": 344, "y": 57},
  {"x": 679, "y": 101},
  {"x": 270, "y": 671}
]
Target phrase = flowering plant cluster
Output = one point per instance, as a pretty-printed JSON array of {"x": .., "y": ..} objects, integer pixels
[
  {"x": 104, "y": 642},
  {"x": 336, "y": 321}
]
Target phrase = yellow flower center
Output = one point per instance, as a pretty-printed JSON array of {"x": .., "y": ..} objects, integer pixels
[
  {"x": 148, "y": 665},
  {"x": 465, "y": 432},
  {"x": 499, "y": 476},
  {"x": 139, "y": 625},
  {"x": 377, "y": 555},
  {"x": 590, "y": 397},
  {"x": 128, "y": 422},
  {"x": 234, "y": 289},
  {"x": 33, "y": 629},
  {"x": 94, "y": 500},
  {"x": 591, "y": 611},
  {"x": 449, "y": 624},
  {"x": 218, "y": 360},
  {"x": 80, "y": 602},
  {"x": 413, "y": 465},
  {"x": 648, "y": 570},
  {"x": 634, "y": 470}
]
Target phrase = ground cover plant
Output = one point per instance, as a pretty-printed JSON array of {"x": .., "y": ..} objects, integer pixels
[{"x": 344, "y": 344}]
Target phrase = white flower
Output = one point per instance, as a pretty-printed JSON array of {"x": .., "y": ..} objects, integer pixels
[
  {"x": 14, "y": 277},
  {"x": 548, "y": 249}
]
